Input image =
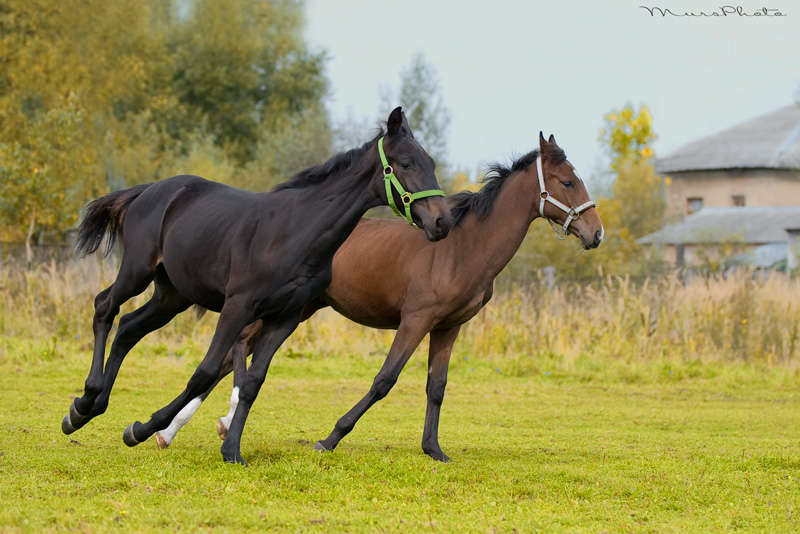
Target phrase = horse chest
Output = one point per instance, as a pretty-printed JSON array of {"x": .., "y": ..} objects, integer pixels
[
  {"x": 463, "y": 311},
  {"x": 290, "y": 296}
]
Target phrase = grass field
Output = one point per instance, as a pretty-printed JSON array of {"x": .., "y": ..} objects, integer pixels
[
  {"x": 658, "y": 448},
  {"x": 632, "y": 421}
]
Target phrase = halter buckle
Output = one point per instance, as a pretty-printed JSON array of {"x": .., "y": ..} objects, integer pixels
[
  {"x": 407, "y": 198},
  {"x": 388, "y": 170}
]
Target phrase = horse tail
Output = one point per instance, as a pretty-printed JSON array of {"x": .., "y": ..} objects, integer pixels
[{"x": 105, "y": 216}]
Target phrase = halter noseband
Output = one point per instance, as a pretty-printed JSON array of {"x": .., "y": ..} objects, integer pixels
[
  {"x": 390, "y": 180},
  {"x": 573, "y": 214}
]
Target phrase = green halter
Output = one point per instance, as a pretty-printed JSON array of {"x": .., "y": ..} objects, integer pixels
[{"x": 391, "y": 181}]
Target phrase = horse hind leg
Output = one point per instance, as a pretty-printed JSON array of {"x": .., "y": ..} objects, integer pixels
[
  {"x": 441, "y": 346},
  {"x": 162, "y": 307},
  {"x": 75, "y": 419},
  {"x": 131, "y": 281},
  {"x": 409, "y": 336}
]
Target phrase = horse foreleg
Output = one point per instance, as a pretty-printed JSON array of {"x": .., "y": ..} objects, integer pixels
[
  {"x": 237, "y": 358},
  {"x": 272, "y": 337},
  {"x": 231, "y": 321},
  {"x": 234, "y": 361},
  {"x": 409, "y": 335},
  {"x": 441, "y": 346},
  {"x": 165, "y": 437}
]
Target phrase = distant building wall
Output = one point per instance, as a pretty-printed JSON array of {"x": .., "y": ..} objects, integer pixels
[
  {"x": 704, "y": 254},
  {"x": 723, "y": 188}
]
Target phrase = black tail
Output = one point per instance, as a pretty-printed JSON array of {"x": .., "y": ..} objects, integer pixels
[{"x": 105, "y": 216}]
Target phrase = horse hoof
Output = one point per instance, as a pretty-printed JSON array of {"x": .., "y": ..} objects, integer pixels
[
  {"x": 235, "y": 459},
  {"x": 73, "y": 420},
  {"x": 128, "y": 437},
  {"x": 66, "y": 425},
  {"x": 222, "y": 430},
  {"x": 161, "y": 441},
  {"x": 318, "y": 446},
  {"x": 439, "y": 456}
]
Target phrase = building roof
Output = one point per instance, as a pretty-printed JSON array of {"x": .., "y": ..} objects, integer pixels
[
  {"x": 739, "y": 224},
  {"x": 771, "y": 141}
]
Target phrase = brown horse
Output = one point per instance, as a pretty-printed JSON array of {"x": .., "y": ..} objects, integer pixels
[
  {"x": 250, "y": 256},
  {"x": 377, "y": 278}
]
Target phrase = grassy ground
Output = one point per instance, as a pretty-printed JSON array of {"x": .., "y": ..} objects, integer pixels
[{"x": 554, "y": 446}]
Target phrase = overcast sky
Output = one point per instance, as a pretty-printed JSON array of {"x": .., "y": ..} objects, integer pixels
[{"x": 508, "y": 69}]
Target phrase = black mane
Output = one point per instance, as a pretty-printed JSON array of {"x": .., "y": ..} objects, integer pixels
[
  {"x": 482, "y": 202},
  {"x": 318, "y": 173}
]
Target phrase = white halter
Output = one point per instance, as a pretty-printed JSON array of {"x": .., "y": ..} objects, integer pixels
[{"x": 573, "y": 214}]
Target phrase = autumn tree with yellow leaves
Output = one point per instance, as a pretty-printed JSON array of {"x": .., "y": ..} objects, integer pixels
[
  {"x": 634, "y": 209},
  {"x": 98, "y": 95},
  {"x": 637, "y": 205}
]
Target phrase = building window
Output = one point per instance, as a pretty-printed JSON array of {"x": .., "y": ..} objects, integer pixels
[
  {"x": 738, "y": 200},
  {"x": 693, "y": 205}
]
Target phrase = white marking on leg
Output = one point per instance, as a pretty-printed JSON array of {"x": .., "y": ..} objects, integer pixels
[
  {"x": 181, "y": 419},
  {"x": 234, "y": 403}
]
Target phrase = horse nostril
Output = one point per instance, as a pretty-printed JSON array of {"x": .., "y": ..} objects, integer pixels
[{"x": 598, "y": 237}]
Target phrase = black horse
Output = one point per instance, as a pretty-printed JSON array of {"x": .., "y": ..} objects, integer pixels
[{"x": 246, "y": 255}]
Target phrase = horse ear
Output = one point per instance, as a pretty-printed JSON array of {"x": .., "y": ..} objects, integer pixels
[
  {"x": 395, "y": 121},
  {"x": 542, "y": 143},
  {"x": 552, "y": 140}
]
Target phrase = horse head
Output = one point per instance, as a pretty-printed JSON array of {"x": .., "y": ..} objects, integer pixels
[
  {"x": 563, "y": 198},
  {"x": 411, "y": 181}
]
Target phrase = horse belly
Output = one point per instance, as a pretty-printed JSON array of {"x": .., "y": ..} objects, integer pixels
[{"x": 373, "y": 318}]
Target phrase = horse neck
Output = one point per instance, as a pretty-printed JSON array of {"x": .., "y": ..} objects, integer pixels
[
  {"x": 340, "y": 200},
  {"x": 492, "y": 242}
]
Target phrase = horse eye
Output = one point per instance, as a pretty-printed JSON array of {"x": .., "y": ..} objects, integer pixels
[
  {"x": 405, "y": 165},
  {"x": 568, "y": 185}
]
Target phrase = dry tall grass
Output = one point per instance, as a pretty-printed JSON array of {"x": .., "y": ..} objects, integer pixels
[{"x": 741, "y": 318}]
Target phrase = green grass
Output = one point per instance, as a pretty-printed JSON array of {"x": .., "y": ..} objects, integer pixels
[{"x": 538, "y": 444}]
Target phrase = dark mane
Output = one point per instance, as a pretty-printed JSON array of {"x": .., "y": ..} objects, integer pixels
[
  {"x": 481, "y": 203},
  {"x": 318, "y": 173}
]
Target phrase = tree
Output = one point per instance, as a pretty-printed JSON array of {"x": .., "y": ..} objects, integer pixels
[
  {"x": 241, "y": 70},
  {"x": 98, "y": 95},
  {"x": 33, "y": 171},
  {"x": 638, "y": 197}
]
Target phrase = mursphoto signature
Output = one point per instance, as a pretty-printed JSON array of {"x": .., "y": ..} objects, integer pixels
[{"x": 722, "y": 11}]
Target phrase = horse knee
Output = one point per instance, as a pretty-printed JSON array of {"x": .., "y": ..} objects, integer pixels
[
  {"x": 249, "y": 389},
  {"x": 435, "y": 391},
  {"x": 382, "y": 385},
  {"x": 204, "y": 376}
]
